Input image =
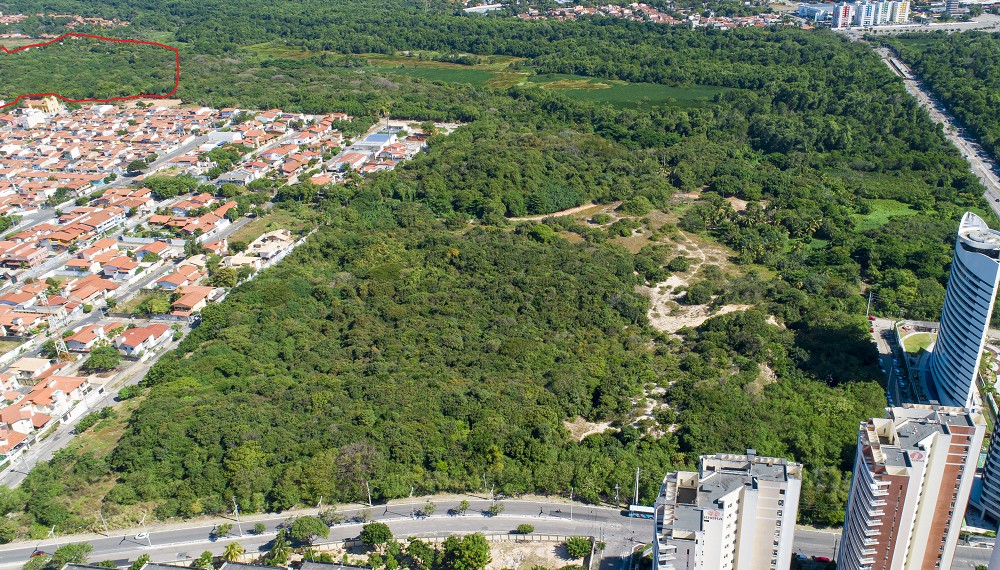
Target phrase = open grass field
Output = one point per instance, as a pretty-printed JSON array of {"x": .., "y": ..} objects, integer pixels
[
  {"x": 498, "y": 72},
  {"x": 624, "y": 94},
  {"x": 8, "y": 345},
  {"x": 916, "y": 342},
  {"x": 276, "y": 219},
  {"x": 882, "y": 210}
]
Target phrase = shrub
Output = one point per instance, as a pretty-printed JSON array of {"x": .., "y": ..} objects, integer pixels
[
  {"x": 578, "y": 546},
  {"x": 525, "y": 529},
  {"x": 679, "y": 264}
]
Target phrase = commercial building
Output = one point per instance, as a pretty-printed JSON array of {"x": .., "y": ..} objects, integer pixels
[
  {"x": 867, "y": 14},
  {"x": 953, "y": 7},
  {"x": 864, "y": 14},
  {"x": 842, "y": 14},
  {"x": 965, "y": 318},
  {"x": 815, "y": 12},
  {"x": 736, "y": 513},
  {"x": 900, "y": 13},
  {"x": 913, "y": 474}
]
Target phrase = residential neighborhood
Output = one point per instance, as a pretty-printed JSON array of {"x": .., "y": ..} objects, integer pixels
[{"x": 100, "y": 259}]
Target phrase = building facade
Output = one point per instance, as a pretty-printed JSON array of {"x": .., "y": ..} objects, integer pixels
[
  {"x": 913, "y": 474},
  {"x": 866, "y": 14},
  {"x": 842, "y": 14},
  {"x": 736, "y": 513},
  {"x": 965, "y": 318},
  {"x": 989, "y": 500}
]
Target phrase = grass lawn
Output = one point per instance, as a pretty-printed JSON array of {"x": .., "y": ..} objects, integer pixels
[
  {"x": 916, "y": 342},
  {"x": 8, "y": 345},
  {"x": 498, "y": 73},
  {"x": 624, "y": 94},
  {"x": 130, "y": 305},
  {"x": 276, "y": 219},
  {"x": 882, "y": 210}
]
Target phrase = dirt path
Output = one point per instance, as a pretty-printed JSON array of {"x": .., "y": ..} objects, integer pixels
[{"x": 569, "y": 212}]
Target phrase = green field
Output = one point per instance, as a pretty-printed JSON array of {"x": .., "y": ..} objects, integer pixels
[
  {"x": 882, "y": 210},
  {"x": 918, "y": 341},
  {"x": 451, "y": 74},
  {"x": 499, "y": 74},
  {"x": 624, "y": 94}
]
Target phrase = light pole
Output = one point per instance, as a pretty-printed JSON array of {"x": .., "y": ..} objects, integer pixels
[
  {"x": 236, "y": 509},
  {"x": 571, "y": 502},
  {"x": 369, "y": 491}
]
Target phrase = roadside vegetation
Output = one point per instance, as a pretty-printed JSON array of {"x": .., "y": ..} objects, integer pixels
[
  {"x": 421, "y": 341},
  {"x": 963, "y": 70}
]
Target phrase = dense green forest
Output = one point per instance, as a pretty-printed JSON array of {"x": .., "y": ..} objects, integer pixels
[
  {"x": 84, "y": 68},
  {"x": 402, "y": 345},
  {"x": 963, "y": 70}
]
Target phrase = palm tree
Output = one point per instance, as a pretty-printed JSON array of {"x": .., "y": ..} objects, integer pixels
[{"x": 233, "y": 551}]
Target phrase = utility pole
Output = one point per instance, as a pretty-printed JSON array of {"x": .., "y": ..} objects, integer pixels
[
  {"x": 236, "y": 509},
  {"x": 616, "y": 493},
  {"x": 869, "y": 308},
  {"x": 144, "y": 530},
  {"x": 369, "y": 491},
  {"x": 571, "y": 503},
  {"x": 103, "y": 522},
  {"x": 320, "y": 505},
  {"x": 636, "y": 486},
  {"x": 412, "y": 515}
]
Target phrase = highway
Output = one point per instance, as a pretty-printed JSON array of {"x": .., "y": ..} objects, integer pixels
[
  {"x": 980, "y": 163},
  {"x": 184, "y": 541}
]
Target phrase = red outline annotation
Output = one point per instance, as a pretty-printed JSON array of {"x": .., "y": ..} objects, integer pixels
[{"x": 177, "y": 72}]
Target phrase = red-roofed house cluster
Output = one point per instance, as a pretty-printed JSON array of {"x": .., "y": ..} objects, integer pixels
[
  {"x": 44, "y": 148},
  {"x": 640, "y": 12}
]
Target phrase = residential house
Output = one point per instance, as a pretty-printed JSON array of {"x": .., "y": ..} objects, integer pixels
[{"x": 140, "y": 339}]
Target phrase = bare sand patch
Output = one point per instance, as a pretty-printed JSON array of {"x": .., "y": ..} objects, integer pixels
[
  {"x": 580, "y": 428},
  {"x": 524, "y": 555}
]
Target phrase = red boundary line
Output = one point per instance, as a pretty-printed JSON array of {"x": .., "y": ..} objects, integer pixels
[{"x": 177, "y": 72}]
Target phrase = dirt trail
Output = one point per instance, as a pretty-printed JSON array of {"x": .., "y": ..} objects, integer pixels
[{"x": 568, "y": 212}]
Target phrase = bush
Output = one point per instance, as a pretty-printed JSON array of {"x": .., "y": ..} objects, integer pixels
[
  {"x": 578, "y": 546},
  {"x": 699, "y": 293},
  {"x": 88, "y": 421},
  {"x": 525, "y": 529},
  {"x": 600, "y": 219},
  {"x": 679, "y": 264},
  {"x": 637, "y": 206},
  {"x": 129, "y": 392}
]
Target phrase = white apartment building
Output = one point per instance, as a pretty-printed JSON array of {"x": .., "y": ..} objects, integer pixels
[
  {"x": 867, "y": 14},
  {"x": 913, "y": 473},
  {"x": 965, "y": 318},
  {"x": 736, "y": 513}
]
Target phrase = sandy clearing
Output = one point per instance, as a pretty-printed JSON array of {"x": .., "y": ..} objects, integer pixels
[
  {"x": 670, "y": 317},
  {"x": 568, "y": 212},
  {"x": 581, "y": 428}
]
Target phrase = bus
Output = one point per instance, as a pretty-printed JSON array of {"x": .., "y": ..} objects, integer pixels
[{"x": 641, "y": 512}]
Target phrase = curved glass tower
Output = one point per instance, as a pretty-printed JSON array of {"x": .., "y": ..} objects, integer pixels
[{"x": 968, "y": 305}]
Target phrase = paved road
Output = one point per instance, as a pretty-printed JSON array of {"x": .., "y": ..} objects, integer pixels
[
  {"x": 172, "y": 543},
  {"x": 984, "y": 22},
  {"x": 980, "y": 163}
]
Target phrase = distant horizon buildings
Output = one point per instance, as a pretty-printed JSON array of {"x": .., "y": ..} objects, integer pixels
[
  {"x": 737, "y": 512},
  {"x": 965, "y": 318},
  {"x": 913, "y": 474},
  {"x": 867, "y": 14}
]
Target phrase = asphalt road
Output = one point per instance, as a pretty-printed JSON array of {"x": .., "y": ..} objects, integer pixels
[
  {"x": 980, "y": 163},
  {"x": 622, "y": 535},
  {"x": 984, "y": 22}
]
